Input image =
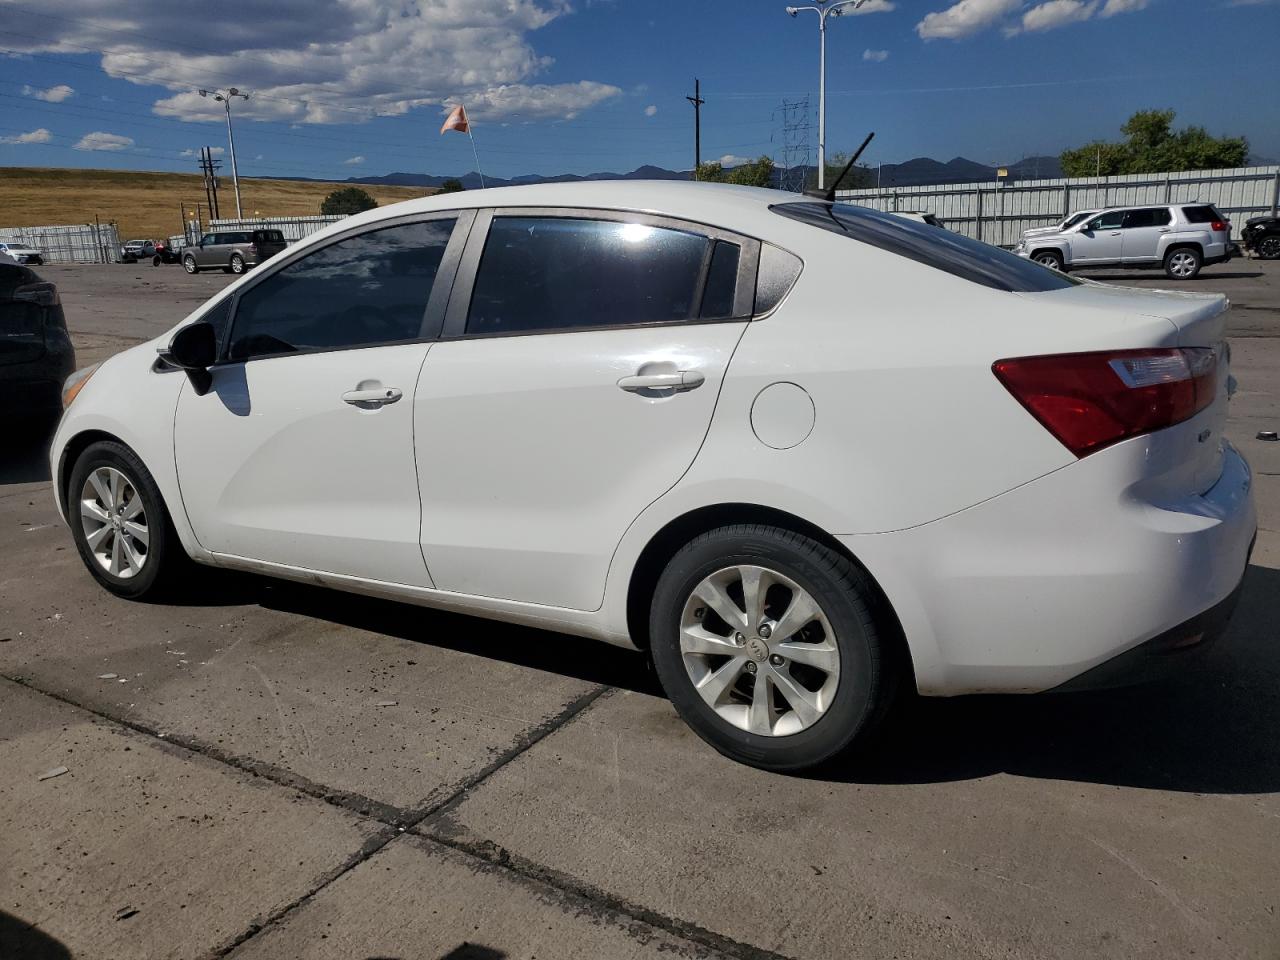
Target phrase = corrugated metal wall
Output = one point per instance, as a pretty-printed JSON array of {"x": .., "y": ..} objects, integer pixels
[
  {"x": 293, "y": 228},
  {"x": 999, "y": 214},
  {"x": 76, "y": 243}
]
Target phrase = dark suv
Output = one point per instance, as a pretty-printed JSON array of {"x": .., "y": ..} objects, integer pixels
[
  {"x": 1262, "y": 236},
  {"x": 233, "y": 251},
  {"x": 36, "y": 355}
]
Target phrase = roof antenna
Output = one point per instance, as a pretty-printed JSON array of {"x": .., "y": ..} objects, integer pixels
[{"x": 829, "y": 195}]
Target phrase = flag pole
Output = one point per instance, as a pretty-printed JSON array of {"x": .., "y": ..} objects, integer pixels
[{"x": 476, "y": 155}]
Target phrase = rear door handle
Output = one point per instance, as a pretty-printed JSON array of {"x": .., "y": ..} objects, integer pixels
[
  {"x": 377, "y": 397},
  {"x": 679, "y": 381}
]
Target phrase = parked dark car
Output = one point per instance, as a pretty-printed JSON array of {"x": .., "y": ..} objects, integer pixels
[
  {"x": 166, "y": 252},
  {"x": 1261, "y": 235},
  {"x": 36, "y": 355}
]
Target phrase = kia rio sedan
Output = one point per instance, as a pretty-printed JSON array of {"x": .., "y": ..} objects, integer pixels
[{"x": 805, "y": 454}]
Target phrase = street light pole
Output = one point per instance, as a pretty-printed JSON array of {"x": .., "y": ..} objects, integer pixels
[
  {"x": 823, "y": 11},
  {"x": 225, "y": 99}
]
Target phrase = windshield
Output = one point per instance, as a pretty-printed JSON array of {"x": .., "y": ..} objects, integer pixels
[
  {"x": 1075, "y": 218},
  {"x": 943, "y": 250}
]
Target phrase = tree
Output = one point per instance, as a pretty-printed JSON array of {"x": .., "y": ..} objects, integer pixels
[
  {"x": 452, "y": 185},
  {"x": 346, "y": 201},
  {"x": 856, "y": 179},
  {"x": 1151, "y": 145},
  {"x": 753, "y": 173}
]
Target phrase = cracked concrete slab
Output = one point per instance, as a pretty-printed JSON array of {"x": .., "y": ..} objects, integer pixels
[{"x": 143, "y": 849}]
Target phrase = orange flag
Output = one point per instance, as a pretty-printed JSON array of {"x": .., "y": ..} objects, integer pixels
[{"x": 457, "y": 120}]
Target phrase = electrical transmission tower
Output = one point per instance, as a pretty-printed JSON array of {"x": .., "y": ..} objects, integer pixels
[
  {"x": 209, "y": 167},
  {"x": 792, "y": 156}
]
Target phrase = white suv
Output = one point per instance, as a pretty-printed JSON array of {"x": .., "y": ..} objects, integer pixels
[{"x": 1181, "y": 238}]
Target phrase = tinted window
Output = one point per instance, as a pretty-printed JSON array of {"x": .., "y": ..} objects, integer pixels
[
  {"x": 1108, "y": 221},
  {"x": 722, "y": 281},
  {"x": 268, "y": 236},
  {"x": 368, "y": 289},
  {"x": 1147, "y": 217},
  {"x": 943, "y": 250},
  {"x": 1202, "y": 214},
  {"x": 206, "y": 239},
  {"x": 555, "y": 273}
]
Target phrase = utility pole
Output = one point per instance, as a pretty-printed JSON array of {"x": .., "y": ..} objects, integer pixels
[
  {"x": 697, "y": 102},
  {"x": 225, "y": 98},
  {"x": 209, "y": 167}
]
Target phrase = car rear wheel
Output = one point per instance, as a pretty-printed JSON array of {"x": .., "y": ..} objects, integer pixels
[
  {"x": 189, "y": 264},
  {"x": 120, "y": 525},
  {"x": 1269, "y": 248},
  {"x": 237, "y": 263},
  {"x": 1049, "y": 258},
  {"x": 765, "y": 642},
  {"x": 1182, "y": 263}
]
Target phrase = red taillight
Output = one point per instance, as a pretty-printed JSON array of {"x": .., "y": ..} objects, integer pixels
[
  {"x": 253, "y": 248},
  {"x": 1092, "y": 400},
  {"x": 1220, "y": 226}
]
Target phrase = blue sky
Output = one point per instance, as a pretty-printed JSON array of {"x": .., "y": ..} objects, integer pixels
[{"x": 357, "y": 87}]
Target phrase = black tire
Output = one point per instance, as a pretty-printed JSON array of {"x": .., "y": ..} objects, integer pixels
[
  {"x": 1182, "y": 263},
  {"x": 166, "y": 561},
  {"x": 189, "y": 264},
  {"x": 1269, "y": 247},
  {"x": 1048, "y": 258},
  {"x": 36, "y": 261},
  {"x": 868, "y": 673},
  {"x": 156, "y": 260},
  {"x": 236, "y": 265}
]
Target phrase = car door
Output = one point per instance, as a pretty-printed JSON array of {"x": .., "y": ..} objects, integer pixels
[
  {"x": 581, "y": 362},
  {"x": 204, "y": 250},
  {"x": 1101, "y": 240},
  {"x": 1143, "y": 229},
  {"x": 301, "y": 452}
]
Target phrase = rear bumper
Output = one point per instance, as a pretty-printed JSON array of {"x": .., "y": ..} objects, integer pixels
[{"x": 1047, "y": 582}]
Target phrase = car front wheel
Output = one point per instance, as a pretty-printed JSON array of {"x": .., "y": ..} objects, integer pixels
[
  {"x": 765, "y": 642},
  {"x": 1182, "y": 263},
  {"x": 189, "y": 264},
  {"x": 1047, "y": 258},
  {"x": 119, "y": 521}
]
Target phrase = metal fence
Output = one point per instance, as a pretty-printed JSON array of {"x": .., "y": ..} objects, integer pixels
[
  {"x": 74, "y": 243},
  {"x": 293, "y": 228},
  {"x": 998, "y": 213}
]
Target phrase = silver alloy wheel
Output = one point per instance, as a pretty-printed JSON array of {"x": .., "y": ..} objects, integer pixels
[
  {"x": 189, "y": 264},
  {"x": 114, "y": 522},
  {"x": 1182, "y": 264},
  {"x": 1047, "y": 260},
  {"x": 237, "y": 264},
  {"x": 759, "y": 650}
]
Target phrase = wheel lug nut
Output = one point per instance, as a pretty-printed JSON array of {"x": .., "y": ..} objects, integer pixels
[
  {"x": 776, "y": 660},
  {"x": 739, "y": 639},
  {"x": 765, "y": 631},
  {"x": 700, "y": 613},
  {"x": 751, "y": 666}
]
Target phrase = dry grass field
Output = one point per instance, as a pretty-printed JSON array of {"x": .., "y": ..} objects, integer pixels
[{"x": 147, "y": 204}]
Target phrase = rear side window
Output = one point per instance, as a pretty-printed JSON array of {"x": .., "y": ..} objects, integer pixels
[
  {"x": 1147, "y": 217},
  {"x": 562, "y": 273},
  {"x": 368, "y": 289},
  {"x": 943, "y": 250},
  {"x": 1201, "y": 214},
  {"x": 268, "y": 236}
]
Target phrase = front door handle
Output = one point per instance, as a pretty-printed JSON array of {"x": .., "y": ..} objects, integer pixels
[
  {"x": 677, "y": 381},
  {"x": 1116, "y": 234},
  {"x": 376, "y": 397}
]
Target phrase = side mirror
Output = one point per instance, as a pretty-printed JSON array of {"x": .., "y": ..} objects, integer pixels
[{"x": 194, "y": 349}]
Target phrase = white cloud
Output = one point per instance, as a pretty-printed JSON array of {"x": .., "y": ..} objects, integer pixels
[
  {"x": 965, "y": 18},
  {"x": 1053, "y": 14},
  {"x": 52, "y": 95},
  {"x": 353, "y": 161},
  {"x": 871, "y": 6},
  {"x": 1113, "y": 7},
  {"x": 329, "y": 61},
  {"x": 875, "y": 56},
  {"x": 103, "y": 141},
  {"x": 651, "y": 110},
  {"x": 35, "y": 136},
  {"x": 193, "y": 152},
  {"x": 732, "y": 160}
]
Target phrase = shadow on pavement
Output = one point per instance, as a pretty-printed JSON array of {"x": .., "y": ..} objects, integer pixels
[
  {"x": 1212, "y": 729},
  {"x": 22, "y": 941}
]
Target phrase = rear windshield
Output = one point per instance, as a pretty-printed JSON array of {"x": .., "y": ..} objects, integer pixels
[
  {"x": 1204, "y": 214},
  {"x": 943, "y": 250},
  {"x": 269, "y": 236}
]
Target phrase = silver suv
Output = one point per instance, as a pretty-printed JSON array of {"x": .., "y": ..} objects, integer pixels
[
  {"x": 1180, "y": 237},
  {"x": 232, "y": 251}
]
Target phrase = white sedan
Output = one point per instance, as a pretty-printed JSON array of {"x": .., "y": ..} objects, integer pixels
[{"x": 804, "y": 453}]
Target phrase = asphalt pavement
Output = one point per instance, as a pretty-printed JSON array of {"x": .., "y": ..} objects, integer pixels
[{"x": 269, "y": 770}]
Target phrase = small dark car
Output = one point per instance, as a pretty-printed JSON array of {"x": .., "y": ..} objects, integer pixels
[
  {"x": 36, "y": 355},
  {"x": 1261, "y": 235}
]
